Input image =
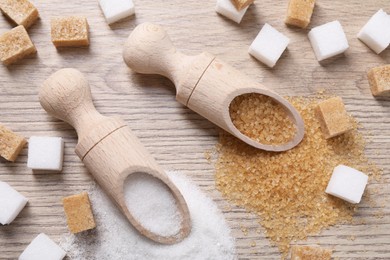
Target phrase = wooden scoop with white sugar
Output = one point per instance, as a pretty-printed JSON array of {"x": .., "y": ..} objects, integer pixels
[
  {"x": 204, "y": 83},
  {"x": 112, "y": 154}
]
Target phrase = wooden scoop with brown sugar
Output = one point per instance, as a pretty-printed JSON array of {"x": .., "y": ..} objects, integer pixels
[
  {"x": 203, "y": 83},
  {"x": 107, "y": 147}
]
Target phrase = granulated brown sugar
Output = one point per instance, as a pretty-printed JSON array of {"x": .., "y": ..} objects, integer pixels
[
  {"x": 310, "y": 253},
  {"x": 262, "y": 119},
  {"x": 287, "y": 190}
]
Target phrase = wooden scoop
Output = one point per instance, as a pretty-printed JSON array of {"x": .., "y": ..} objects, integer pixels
[
  {"x": 106, "y": 146},
  {"x": 203, "y": 83}
]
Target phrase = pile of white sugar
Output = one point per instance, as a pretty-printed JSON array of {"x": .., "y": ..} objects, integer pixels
[
  {"x": 152, "y": 204},
  {"x": 114, "y": 238}
]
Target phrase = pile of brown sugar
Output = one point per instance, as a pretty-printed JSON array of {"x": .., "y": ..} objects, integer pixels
[
  {"x": 287, "y": 190},
  {"x": 262, "y": 119}
]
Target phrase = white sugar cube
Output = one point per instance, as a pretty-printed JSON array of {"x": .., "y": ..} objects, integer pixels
[
  {"x": 268, "y": 45},
  {"x": 227, "y": 9},
  {"x": 115, "y": 10},
  {"x": 328, "y": 40},
  {"x": 347, "y": 183},
  {"x": 42, "y": 248},
  {"x": 376, "y": 33},
  {"x": 45, "y": 153},
  {"x": 11, "y": 203}
]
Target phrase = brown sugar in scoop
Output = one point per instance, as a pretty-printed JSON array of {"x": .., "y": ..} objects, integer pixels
[{"x": 262, "y": 119}]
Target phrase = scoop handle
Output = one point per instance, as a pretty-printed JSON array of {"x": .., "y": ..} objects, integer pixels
[
  {"x": 149, "y": 50},
  {"x": 66, "y": 95}
]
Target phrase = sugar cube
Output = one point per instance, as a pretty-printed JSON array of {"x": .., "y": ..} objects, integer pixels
[
  {"x": 78, "y": 213},
  {"x": 11, "y": 203},
  {"x": 42, "y": 248},
  {"x": 45, "y": 153},
  {"x": 268, "y": 45},
  {"x": 347, "y": 183},
  {"x": 333, "y": 117},
  {"x": 299, "y": 12},
  {"x": 227, "y": 9},
  {"x": 379, "y": 79},
  {"x": 310, "y": 253},
  {"x": 21, "y": 12},
  {"x": 328, "y": 40},
  {"x": 115, "y": 10},
  {"x": 15, "y": 45},
  {"x": 376, "y": 33},
  {"x": 70, "y": 31},
  {"x": 10, "y": 144},
  {"x": 240, "y": 4}
]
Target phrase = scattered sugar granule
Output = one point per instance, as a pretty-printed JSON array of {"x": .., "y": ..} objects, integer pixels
[
  {"x": 286, "y": 190},
  {"x": 310, "y": 253},
  {"x": 11, "y": 203},
  {"x": 15, "y": 45},
  {"x": 328, "y": 40},
  {"x": 21, "y": 12},
  {"x": 10, "y": 144},
  {"x": 379, "y": 80},
  {"x": 78, "y": 212},
  {"x": 262, "y": 119},
  {"x": 299, "y": 12},
  {"x": 70, "y": 31},
  {"x": 375, "y": 33},
  {"x": 333, "y": 117},
  {"x": 115, "y": 238},
  {"x": 42, "y": 248},
  {"x": 241, "y": 4},
  {"x": 116, "y": 10},
  {"x": 227, "y": 9},
  {"x": 151, "y": 202},
  {"x": 269, "y": 45}
]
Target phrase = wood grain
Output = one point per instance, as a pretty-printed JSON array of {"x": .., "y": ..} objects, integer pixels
[{"x": 176, "y": 136}]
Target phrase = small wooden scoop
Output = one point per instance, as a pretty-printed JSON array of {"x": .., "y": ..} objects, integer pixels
[
  {"x": 106, "y": 146},
  {"x": 204, "y": 83}
]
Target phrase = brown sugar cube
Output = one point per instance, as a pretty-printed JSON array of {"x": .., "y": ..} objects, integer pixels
[
  {"x": 15, "y": 45},
  {"x": 22, "y": 12},
  {"x": 70, "y": 31},
  {"x": 310, "y": 253},
  {"x": 10, "y": 144},
  {"x": 78, "y": 213},
  {"x": 333, "y": 117},
  {"x": 299, "y": 12},
  {"x": 379, "y": 79},
  {"x": 241, "y": 4}
]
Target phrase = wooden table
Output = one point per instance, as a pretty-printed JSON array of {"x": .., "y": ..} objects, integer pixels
[{"x": 176, "y": 136}]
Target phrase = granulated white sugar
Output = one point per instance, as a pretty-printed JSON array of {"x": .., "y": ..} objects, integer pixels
[
  {"x": 152, "y": 204},
  {"x": 115, "y": 238}
]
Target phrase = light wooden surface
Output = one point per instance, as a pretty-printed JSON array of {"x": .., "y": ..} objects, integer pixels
[{"x": 176, "y": 136}]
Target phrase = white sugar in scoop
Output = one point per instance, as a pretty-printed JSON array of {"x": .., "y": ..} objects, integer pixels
[{"x": 152, "y": 204}]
